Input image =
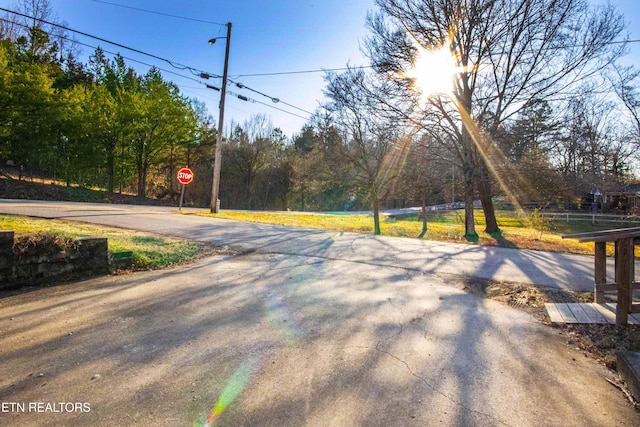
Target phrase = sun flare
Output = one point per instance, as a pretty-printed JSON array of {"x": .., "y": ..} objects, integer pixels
[{"x": 433, "y": 72}]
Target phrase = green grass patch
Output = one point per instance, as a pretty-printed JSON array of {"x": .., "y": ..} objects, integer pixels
[{"x": 149, "y": 251}]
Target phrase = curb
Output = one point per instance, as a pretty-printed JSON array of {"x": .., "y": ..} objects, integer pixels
[{"x": 628, "y": 364}]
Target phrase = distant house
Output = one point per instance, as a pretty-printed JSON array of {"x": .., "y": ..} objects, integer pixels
[
  {"x": 593, "y": 201},
  {"x": 626, "y": 200}
]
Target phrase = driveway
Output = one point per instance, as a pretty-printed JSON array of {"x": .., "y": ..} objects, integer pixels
[
  {"x": 288, "y": 339},
  {"x": 300, "y": 341}
]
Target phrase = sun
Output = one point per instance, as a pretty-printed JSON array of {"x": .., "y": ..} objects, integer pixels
[{"x": 433, "y": 72}]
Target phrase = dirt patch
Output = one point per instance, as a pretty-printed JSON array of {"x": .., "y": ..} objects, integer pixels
[{"x": 597, "y": 341}]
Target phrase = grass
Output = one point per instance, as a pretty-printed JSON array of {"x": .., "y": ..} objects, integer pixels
[
  {"x": 149, "y": 251},
  {"x": 516, "y": 231}
]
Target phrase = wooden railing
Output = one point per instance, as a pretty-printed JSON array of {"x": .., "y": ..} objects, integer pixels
[{"x": 625, "y": 240}]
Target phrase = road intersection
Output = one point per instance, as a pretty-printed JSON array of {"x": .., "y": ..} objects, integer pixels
[{"x": 306, "y": 327}]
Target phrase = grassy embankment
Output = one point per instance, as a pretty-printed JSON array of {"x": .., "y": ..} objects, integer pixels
[
  {"x": 149, "y": 251},
  {"x": 517, "y": 231}
]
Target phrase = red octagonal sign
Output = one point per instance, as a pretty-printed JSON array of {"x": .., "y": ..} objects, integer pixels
[{"x": 185, "y": 176}]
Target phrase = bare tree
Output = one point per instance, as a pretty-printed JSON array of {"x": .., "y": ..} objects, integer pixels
[
  {"x": 37, "y": 27},
  {"x": 375, "y": 143},
  {"x": 626, "y": 82},
  {"x": 248, "y": 152},
  {"x": 593, "y": 150},
  {"x": 507, "y": 53}
]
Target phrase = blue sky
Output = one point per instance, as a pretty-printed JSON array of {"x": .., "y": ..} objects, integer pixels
[{"x": 268, "y": 36}]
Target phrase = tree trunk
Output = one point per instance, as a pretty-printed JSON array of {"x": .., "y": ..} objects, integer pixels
[
  {"x": 110, "y": 168},
  {"x": 142, "y": 178},
  {"x": 468, "y": 160},
  {"x": 375, "y": 204},
  {"x": 141, "y": 184},
  {"x": 487, "y": 202},
  {"x": 469, "y": 222},
  {"x": 469, "y": 173},
  {"x": 171, "y": 169},
  {"x": 423, "y": 216}
]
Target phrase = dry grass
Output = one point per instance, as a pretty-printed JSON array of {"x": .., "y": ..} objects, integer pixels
[
  {"x": 41, "y": 243},
  {"x": 516, "y": 232}
]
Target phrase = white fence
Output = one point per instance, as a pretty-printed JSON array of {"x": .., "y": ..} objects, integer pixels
[{"x": 593, "y": 218}]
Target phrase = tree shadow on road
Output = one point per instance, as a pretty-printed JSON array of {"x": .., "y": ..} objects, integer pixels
[{"x": 502, "y": 241}]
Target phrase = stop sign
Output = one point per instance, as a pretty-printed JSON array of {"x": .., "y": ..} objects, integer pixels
[{"x": 185, "y": 176}]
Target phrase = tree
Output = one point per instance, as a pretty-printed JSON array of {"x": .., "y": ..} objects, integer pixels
[
  {"x": 506, "y": 52},
  {"x": 625, "y": 82},
  {"x": 527, "y": 142},
  {"x": 158, "y": 116},
  {"x": 321, "y": 176},
  {"x": 592, "y": 150},
  {"x": 27, "y": 104},
  {"x": 105, "y": 129},
  {"x": 427, "y": 174},
  {"x": 375, "y": 143},
  {"x": 252, "y": 152}
]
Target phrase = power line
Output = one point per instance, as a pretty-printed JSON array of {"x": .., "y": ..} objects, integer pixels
[
  {"x": 172, "y": 63},
  {"x": 116, "y": 53},
  {"x": 279, "y": 109},
  {"x": 245, "y": 98},
  {"x": 273, "y": 99},
  {"x": 322, "y": 70},
  {"x": 208, "y": 86},
  {"x": 179, "y": 66},
  {"x": 157, "y": 13}
]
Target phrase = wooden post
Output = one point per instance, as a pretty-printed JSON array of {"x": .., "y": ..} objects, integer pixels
[
  {"x": 623, "y": 258},
  {"x": 600, "y": 271}
]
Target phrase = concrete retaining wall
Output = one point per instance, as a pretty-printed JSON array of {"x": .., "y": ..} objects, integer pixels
[{"x": 89, "y": 257}]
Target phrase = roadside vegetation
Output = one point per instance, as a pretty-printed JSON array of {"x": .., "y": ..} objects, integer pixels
[
  {"x": 149, "y": 251},
  {"x": 517, "y": 231}
]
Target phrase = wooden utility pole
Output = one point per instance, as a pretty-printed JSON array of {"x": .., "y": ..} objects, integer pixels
[{"x": 217, "y": 163}]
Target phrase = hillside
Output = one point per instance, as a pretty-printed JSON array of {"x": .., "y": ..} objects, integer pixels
[{"x": 40, "y": 188}]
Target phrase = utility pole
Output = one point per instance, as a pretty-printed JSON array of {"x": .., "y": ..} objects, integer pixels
[{"x": 217, "y": 162}]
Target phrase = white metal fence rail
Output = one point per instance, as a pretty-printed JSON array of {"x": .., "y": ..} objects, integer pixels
[{"x": 593, "y": 218}]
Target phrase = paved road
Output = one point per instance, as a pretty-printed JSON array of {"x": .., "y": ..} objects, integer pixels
[
  {"x": 300, "y": 339},
  {"x": 525, "y": 266}
]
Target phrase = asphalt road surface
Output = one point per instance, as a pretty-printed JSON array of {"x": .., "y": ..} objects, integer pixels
[
  {"x": 564, "y": 271},
  {"x": 306, "y": 328}
]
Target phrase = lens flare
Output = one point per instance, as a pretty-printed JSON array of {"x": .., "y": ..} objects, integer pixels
[
  {"x": 434, "y": 73},
  {"x": 234, "y": 387},
  {"x": 281, "y": 319},
  {"x": 489, "y": 151}
]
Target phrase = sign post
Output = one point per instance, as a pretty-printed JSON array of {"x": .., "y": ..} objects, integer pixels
[{"x": 185, "y": 176}]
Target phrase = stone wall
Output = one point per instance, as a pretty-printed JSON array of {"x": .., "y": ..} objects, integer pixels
[{"x": 89, "y": 257}]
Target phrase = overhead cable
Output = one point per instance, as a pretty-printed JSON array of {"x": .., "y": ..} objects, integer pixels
[
  {"x": 322, "y": 70},
  {"x": 157, "y": 13},
  {"x": 116, "y": 53},
  {"x": 174, "y": 64},
  {"x": 245, "y": 98},
  {"x": 273, "y": 99}
]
